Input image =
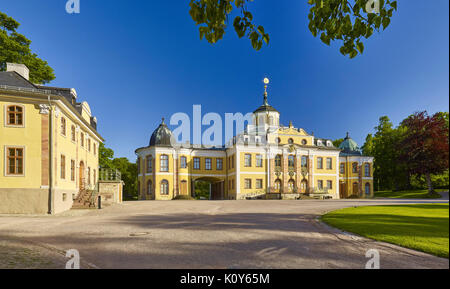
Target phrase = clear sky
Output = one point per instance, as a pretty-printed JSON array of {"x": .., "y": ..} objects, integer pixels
[{"x": 137, "y": 61}]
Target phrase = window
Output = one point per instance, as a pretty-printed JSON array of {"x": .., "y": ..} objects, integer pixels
[
  {"x": 304, "y": 161},
  {"x": 196, "y": 163},
  {"x": 208, "y": 165},
  {"x": 278, "y": 161},
  {"x": 330, "y": 185},
  {"x": 73, "y": 133},
  {"x": 89, "y": 175},
  {"x": 248, "y": 183},
  {"x": 320, "y": 163},
  {"x": 164, "y": 163},
  {"x": 219, "y": 164},
  {"x": 248, "y": 160},
  {"x": 95, "y": 149},
  {"x": 183, "y": 162},
  {"x": 164, "y": 187},
  {"x": 291, "y": 141},
  {"x": 72, "y": 170},
  {"x": 63, "y": 126},
  {"x": 149, "y": 164},
  {"x": 329, "y": 163},
  {"x": 355, "y": 167},
  {"x": 320, "y": 184},
  {"x": 367, "y": 170},
  {"x": 15, "y": 161},
  {"x": 277, "y": 185},
  {"x": 342, "y": 168},
  {"x": 95, "y": 177},
  {"x": 89, "y": 144},
  {"x": 291, "y": 185},
  {"x": 367, "y": 189},
  {"x": 149, "y": 188},
  {"x": 291, "y": 161},
  {"x": 14, "y": 115},
  {"x": 232, "y": 161},
  {"x": 259, "y": 183},
  {"x": 63, "y": 167},
  {"x": 278, "y": 140},
  {"x": 139, "y": 166},
  {"x": 82, "y": 139},
  {"x": 259, "y": 161},
  {"x": 304, "y": 142}
]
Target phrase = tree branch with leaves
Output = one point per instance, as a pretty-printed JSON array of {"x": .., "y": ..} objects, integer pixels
[{"x": 348, "y": 21}]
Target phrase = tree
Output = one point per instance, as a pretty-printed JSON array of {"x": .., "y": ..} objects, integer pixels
[
  {"x": 15, "y": 48},
  {"x": 127, "y": 169},
  {"x": 348, "y": 21},
  {"x": 338, "y": 142},
  {"x": 426, "y": 145}
]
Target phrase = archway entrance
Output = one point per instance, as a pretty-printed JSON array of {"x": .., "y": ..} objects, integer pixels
[
  {"x": 208, "y": 188},
  {"x": 81, "y": 176},
  {"x": 342, "y": 191}
]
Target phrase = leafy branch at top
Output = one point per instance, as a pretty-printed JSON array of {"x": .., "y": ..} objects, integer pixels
[{"x": 345, "y": 20}]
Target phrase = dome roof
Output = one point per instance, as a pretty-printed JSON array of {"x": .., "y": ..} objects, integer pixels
[
  {"x": 349, "y": 146},
  {"x": 161, "y": 136}
]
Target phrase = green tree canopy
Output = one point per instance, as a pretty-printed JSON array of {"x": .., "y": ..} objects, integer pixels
[
  {"x": 348, "y": 21},
  {"x": 15, "y": 48}
]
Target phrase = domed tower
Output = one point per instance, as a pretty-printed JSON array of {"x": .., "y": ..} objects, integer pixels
[
  {"x": 266, "y": 116},
  {"x": 349, "y": 146},
  {"x": 162, "y": 136}
]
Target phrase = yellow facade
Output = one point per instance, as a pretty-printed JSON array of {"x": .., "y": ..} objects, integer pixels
[
  {"x": 286, "y": 163},
  {"x": 53, "y": 164}
]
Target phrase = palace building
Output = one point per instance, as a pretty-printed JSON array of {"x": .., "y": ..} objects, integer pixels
[
  {"x": 48, "y": 145},
  {"x": 267, "y": 160}
]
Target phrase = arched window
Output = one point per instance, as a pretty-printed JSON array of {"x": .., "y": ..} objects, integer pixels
[
  {"x": 14, "y": 115},
  {"x": 355, "y": 167},
  {"x": 164, "y": 163},
  {"x": 304, "y": 161},
  {"x": 149, "y": 187},
  {"x": 291, "y": 185},
  {"x": 367, "y": 189},
  {"x": 82, "y": 139},
  {"x": 63, "y": 126},
  {"x": 164, "y": 187},
  {"x": 367, "y": 170},
  {"x": 291, "y": 161},
  {"x": 278, "y": 161},
  {"x": 277, "y": 185},
  {"x": 73, "y": 133}
]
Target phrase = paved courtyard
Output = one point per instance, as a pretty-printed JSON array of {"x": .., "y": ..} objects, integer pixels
[{"x": 206, "y": 234}]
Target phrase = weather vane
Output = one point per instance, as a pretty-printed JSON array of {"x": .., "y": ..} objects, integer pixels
[{"x": 266, "y": 82}]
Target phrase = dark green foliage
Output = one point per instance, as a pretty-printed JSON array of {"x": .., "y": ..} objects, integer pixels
[
  {"x": 202, "y": 190},
  {"x": 338, "y": 142},
  {"x": 344, "y": 20},
  {"x": 15, "y": 48},
  {"x": 127, "y": 169},
  {"x": 394, "y": 168}
]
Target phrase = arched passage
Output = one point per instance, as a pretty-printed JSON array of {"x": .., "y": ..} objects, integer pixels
[{"x": 211, "y": 188}]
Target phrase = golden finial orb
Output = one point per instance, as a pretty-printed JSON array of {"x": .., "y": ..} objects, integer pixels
[{"x": 266, "y": 81}]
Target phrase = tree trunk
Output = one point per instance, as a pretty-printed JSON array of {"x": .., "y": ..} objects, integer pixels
[{"x": 430, "y": 185}]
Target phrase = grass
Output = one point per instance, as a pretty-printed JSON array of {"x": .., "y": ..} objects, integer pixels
[
  {"x": 420, "y": 227},
  {"x": 414, "y": 194}
]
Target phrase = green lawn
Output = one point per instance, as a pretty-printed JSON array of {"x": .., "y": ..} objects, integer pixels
[
  {"x": 420, "y": 227},
  {"x": 415, "y": 194}
]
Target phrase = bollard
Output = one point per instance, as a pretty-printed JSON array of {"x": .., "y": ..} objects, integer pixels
[{"x": 99, "y": 202}]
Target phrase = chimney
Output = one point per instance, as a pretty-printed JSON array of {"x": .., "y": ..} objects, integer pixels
[{"x": 20, "y": 69}]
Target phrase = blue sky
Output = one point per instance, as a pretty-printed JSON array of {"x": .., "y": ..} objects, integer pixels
[{"x": 138, "y": 61}]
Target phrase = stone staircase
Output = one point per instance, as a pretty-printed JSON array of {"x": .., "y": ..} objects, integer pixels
[{"x": 86, "y": 199}]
